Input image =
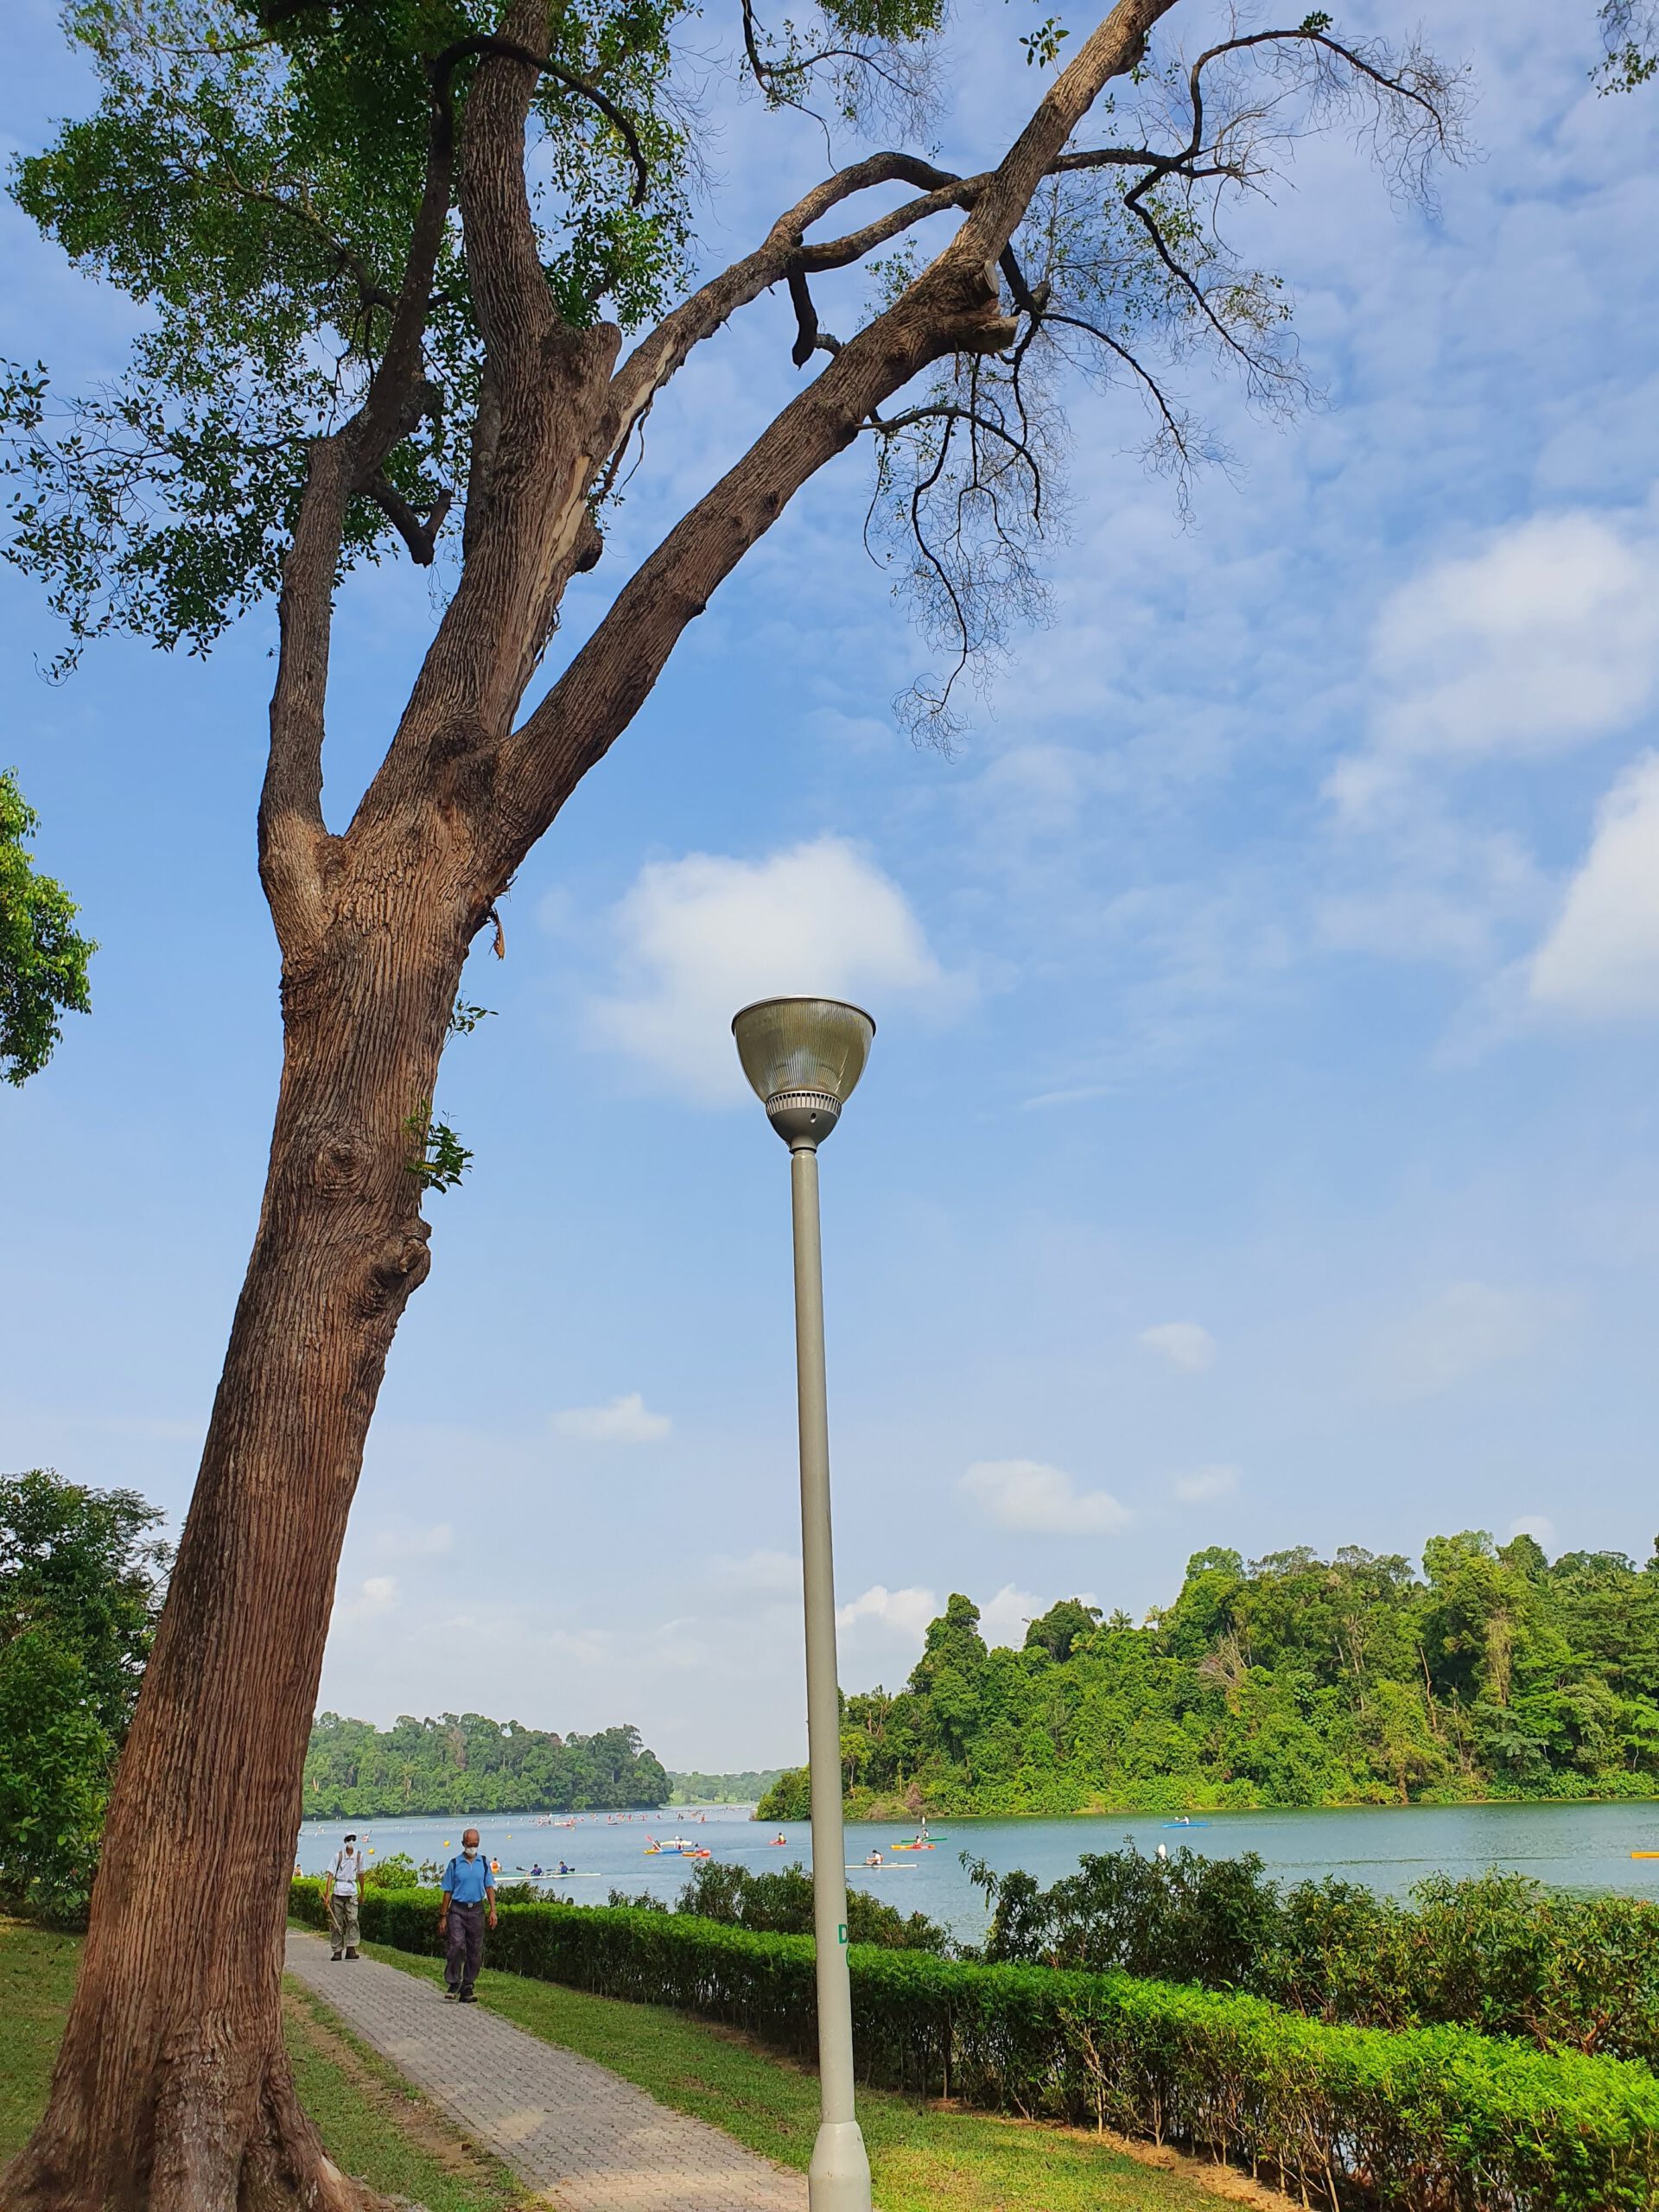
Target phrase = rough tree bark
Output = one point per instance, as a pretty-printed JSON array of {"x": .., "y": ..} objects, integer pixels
[{"x": 171, "y": 2093}]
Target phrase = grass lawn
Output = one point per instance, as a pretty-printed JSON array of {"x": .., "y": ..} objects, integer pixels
[
  {"x": 37, "y": 1973},
  {"x": 925, "y": 2157},
  {"x": 374, "y": 2124}
]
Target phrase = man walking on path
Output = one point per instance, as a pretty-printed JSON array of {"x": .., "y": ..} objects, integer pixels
[
  {"x": 468, "y": 1898},
  {"x": 344, "y": 1880}
]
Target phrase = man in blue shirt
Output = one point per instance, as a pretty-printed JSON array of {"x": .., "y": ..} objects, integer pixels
[{"x": 469, "y": 1897}]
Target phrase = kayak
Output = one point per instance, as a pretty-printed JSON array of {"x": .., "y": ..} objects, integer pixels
[{"x": 1187, "y": 1824}]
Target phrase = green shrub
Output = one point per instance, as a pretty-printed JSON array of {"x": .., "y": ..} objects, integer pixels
[
  {"x": 397, "y": 1871},
  {"x": 1497, "y": 1952},
  {"x": 1188, "y": 1918},
  {"x": 777, "y": 1901},
  {"x": 1429, "y": 2119}
]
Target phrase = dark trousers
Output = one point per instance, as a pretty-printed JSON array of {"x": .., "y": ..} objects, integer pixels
[{"x": 464, "y": 1950}]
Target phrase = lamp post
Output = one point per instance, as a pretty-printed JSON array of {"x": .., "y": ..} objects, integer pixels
[{"x": 803, "y": 1056}]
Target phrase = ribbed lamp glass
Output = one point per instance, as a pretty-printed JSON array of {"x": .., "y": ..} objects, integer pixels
[{"x": 803, "y": 1045}]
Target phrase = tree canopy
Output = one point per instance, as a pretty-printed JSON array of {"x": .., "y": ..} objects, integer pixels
[
  {"x": 1290, "y": 1680},
  {"x": 464, "y": 1763},
  {"x": 43, "y": 958},
  {"x": 273, "y": 181},
  {"x": 81, "y": 1577}
]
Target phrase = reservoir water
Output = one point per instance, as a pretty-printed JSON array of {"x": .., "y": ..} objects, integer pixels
[{"x": 1388, "y": 1847}]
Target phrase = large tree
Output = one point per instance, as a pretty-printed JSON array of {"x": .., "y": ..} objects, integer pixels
[{"x": 387, "y": 250}]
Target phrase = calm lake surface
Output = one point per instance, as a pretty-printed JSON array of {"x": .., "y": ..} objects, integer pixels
[{"x": 1388, "y": 1847}]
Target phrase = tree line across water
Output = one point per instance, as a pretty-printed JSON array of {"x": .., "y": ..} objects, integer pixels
[
  {"x": 466, "y": 1762},
  {"x": 1293, "y": 1680}
]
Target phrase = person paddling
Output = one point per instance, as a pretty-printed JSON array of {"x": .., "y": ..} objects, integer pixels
[{"x": 469, "y": 1900}]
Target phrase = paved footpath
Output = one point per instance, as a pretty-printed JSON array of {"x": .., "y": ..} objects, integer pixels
[{"x": 590, "y": 2139}]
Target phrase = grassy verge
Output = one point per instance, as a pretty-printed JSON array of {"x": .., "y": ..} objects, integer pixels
[
  {"x": 374, "y": 2124},
  {"x": 37, "y": 1975},
  {"x": 925, "y": 2157},
  {"x": 378, "y": 2129}
]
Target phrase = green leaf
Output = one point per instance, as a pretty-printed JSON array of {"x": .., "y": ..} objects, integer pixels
[{"x": 43, "y": 958}]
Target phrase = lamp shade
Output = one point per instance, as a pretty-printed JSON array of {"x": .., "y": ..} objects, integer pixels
[{"x": 816, "y": 1046}]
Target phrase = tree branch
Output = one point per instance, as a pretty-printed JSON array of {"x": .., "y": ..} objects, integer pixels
[
  {"x": 953, "y": 306},
  {"x": 660, "y": 354},
  {"x": 510, "y": 50},
  {"x": 291, "y": 830},
  {"x": 418, "y": 533},
  {"x": 658, "y": 357}
]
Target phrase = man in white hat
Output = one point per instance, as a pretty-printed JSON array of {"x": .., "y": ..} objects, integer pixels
[{"x": 344, "y": 1879}]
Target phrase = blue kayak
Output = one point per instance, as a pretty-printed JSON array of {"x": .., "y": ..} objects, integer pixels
[{"x": 1187, "y": 1824}]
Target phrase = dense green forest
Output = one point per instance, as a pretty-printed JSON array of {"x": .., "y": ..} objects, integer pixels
[
  {"x": 467, "y": 1764},
  {"x": 82, "y": 1575},
  {"x": 722, "y": 1789},
  {"x": 1292, "y": 1681}
]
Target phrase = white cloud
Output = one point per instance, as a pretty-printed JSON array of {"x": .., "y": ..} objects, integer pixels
[
  {"x": 1201, "y": 1485},
  {"x": 1546, "y": 639},
  {"x": 1038, "y": 1500},
  {"x": 1601, "y": 959},
  {"x": 763, "y": 1573},
  {"x": 1005, "y": 1618},
  {"x": 699, "y": 937},
  {"x": 1183, "y": 1344},
  {"x": 1462, "y": 1329},
  {"x": 378, "y": 1594},
  {"x": 624, "y": 1420},
  {"x": 904, "y": 1613},
  {"x": 1536, "y": 1525},
  {"x": 431, "y": 1542}
]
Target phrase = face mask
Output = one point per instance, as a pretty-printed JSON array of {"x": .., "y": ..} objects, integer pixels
[{"x": 469, "y": 1850}]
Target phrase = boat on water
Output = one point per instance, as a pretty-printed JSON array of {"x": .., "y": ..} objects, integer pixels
[{"x": 677, "y": 1846}]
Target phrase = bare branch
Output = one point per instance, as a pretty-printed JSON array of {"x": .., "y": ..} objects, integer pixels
[
  {"x": 663, "y": 351},
  {"x": 876, "y": 73},
  {"x": 418, "y": 533},
  {"x": 658, "y": 357}
]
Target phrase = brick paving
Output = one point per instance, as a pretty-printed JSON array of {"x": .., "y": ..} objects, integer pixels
[{"x": 575, "y": 2130}]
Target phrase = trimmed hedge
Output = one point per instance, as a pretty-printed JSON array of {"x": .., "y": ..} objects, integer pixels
[{"x": 1426, "y": 2120}]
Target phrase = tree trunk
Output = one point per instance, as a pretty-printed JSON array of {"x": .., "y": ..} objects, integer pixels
[{"x": 172, "y": 2092}]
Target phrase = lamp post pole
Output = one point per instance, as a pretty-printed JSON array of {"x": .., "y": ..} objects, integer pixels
[
  {"x": 803, "y": 1056},
  {"x": 839, "y": 2177}
]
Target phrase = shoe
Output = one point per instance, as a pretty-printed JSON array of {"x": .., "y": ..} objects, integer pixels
[
  {"x": 351, "y": 1955},
  {"x": 468, "y": 1998},
  {"x": 336, "y": 1955},
  {"x": 451, "y": 1996}
]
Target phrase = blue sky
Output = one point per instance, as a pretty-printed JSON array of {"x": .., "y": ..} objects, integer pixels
[{"x": 1259, "y": 1143}]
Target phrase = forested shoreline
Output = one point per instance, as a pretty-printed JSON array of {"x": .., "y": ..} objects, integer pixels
[
  {"x": 1491, "y": 1673},
  {"x": 466, "y": 1762}
]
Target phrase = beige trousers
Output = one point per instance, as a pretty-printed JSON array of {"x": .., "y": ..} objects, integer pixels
[{"x": 342, "y": 1921}]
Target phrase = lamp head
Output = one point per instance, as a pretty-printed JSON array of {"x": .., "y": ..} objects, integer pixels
[{"x": 802, "y": 1058}]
